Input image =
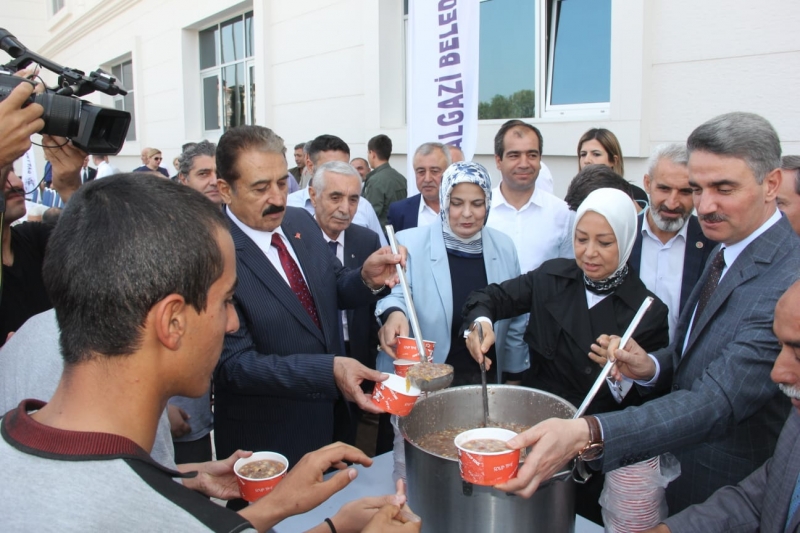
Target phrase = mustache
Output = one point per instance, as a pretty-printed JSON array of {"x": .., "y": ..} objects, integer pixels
[
  {"x": 680, "y": 211},
  {"x": 15, "y": 190},
  {"x": 713, "y": 217},
  {"x": 788, "y": 390},
  {"x": 273, "y": 209},
  {"x": 343, "y": 218}
]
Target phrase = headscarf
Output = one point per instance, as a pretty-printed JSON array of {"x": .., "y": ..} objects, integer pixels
[
  {"x": 457, "y": 173},
  {"x": 618, "y": 210}
]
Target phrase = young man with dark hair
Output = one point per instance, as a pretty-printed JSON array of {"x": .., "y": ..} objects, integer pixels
[
  {"x": 383, "y": 185},
  {"x": 143, "y": 305}
]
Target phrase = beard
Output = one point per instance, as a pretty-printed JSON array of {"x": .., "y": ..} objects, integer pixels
[
  {"x": 666, "y": 224},
  {"x": 788, "y": 390}
]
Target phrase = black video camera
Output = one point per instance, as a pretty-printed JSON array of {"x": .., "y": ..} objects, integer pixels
[{"x": 92, "y": 128}]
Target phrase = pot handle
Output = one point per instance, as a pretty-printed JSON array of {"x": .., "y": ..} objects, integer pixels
[{"x": 578, "y": 472}]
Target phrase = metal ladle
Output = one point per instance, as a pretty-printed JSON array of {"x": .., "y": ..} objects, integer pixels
[
  {"x": 484, "y": 390},
  {"x": 426, "y": 376},
  {"x": 609, "y": 363}
]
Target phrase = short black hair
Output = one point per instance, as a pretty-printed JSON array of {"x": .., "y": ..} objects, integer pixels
[
  {"x": 382, "y": 146},
  {"x": 594, "y": 177},
  {"x": 187, "y": 157},
  {"x": 121, "y": 245},
  {"x": 242, "y": 138},
  {"x": 300, "y": 146},
  {"x": 499, "y": 139},
  {"x": 326, "y": 143}
]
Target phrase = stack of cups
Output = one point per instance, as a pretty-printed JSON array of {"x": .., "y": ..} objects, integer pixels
[{"x": 633, "y": 497}]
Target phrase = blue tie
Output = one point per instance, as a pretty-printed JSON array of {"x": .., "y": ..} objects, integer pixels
[
  {"x": 795, "y": 503},
  {"x": 333, "y": 245}
]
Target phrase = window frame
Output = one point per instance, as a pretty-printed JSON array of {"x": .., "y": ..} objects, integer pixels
[
  {"x": 248, "y": 66},
  {"x": 120, "y": 63}
]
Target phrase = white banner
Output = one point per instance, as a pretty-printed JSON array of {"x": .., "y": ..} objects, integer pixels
[
  {"x": 442, "y": 76},
  {"x": 30, "y": 179}
]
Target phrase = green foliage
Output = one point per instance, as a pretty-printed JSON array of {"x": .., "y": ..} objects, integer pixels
[{"x": 518, "y": 105}]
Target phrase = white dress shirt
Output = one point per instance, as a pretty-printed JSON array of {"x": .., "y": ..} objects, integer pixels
[
  {"x": 365, "y": 214},
  {"x": 661, "y": 269},
  {"x": 426, "y": 215},
  {"x": 263, "y": 240},
  {"x": 105, "y": 169},
  {"x": 541, "y": 229},
  {"x": 544, "y": 182},
  {"x": 340, "y": 257}
]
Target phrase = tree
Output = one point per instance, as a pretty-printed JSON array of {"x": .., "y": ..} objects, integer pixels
[{"x": 520, "y": 104}]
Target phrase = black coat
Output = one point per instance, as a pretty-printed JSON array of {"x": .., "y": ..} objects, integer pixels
[{"x": 562, "y": 328}]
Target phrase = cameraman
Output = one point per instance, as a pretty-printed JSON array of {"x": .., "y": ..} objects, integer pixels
[{"x": 23, "y": 294}]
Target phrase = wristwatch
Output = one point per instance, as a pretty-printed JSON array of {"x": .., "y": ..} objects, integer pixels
[
  {"x": 375, "y": 292},
  {"x": 594, "y": 448}
]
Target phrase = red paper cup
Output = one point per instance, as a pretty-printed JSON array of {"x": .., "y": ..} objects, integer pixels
[
  {"x": 407, "y": 348},
  {"x": 482, "y": 468},
  {"x": 395, "y": 395},
  {"x": 401, "y": 366},
  {"x": 252, "y": 489}
]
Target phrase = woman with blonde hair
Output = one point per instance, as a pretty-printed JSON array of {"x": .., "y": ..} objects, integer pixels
[{"x": 152, "y": 158}]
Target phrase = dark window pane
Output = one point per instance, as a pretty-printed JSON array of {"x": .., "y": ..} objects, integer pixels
[
  {"x": 405, "y": 7},
  {"x": 232, "y": 40},
  {"x": 211, "y": 103},
  {"x": 252, "y": 73},
  {"x": 582, "y": 56},
  {"x": 116, "y": 71},
  {"x": 248, "y": 32},
  {"x": 208, "y": 47},
  {"x": 507, "y": 59},
  {"x": 127, "y": 75},
  {"x": 233, "y": 95}
]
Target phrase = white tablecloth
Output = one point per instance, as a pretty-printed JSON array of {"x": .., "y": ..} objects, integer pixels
[{"x": 374, "y": 481}]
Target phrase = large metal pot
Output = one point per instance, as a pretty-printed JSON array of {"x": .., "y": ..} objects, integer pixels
[{"x": 445, "y": 502}]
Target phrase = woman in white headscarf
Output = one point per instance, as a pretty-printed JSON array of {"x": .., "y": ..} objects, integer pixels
[
  {"x": 571, "y": 303},
  {"x": 446, "y": 261}
]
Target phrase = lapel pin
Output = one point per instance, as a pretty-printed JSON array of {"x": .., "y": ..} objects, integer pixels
[
  {"x": 352, "y": 256},
  {"x": 297, "y": 235},
  {"x": 699, "y": 244}
]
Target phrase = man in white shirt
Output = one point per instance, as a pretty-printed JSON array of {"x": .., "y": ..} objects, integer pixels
[
  {"x": 104, "y": 168},
  {"x": 430, "y": 161},
  {"x": 670, "y": 249},
  {"x": 331, "y": 148},
  {"x": 539, "y": 223}
]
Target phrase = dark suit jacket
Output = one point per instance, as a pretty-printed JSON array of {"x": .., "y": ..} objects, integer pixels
[
  {"x": 404, "y": 214},
  {"x": 92, "y": 173},
  {"x": 760, "y": 502},
  {"x": 723, "y": 414},
  {"x": 698, "y": 248},
  {"x": 360, "y": 243},
  {"x": 274, "y": 381},
  {"x": 560, "y": 331}
]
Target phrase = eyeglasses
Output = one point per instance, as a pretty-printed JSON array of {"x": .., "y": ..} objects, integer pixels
[{"x": 158, "y": 158}]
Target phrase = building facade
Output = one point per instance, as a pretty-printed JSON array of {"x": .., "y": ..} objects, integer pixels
[{"x": 648, "y": 70}]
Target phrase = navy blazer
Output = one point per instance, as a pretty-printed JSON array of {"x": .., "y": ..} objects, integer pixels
[
  {"x": 404, "y": 214},
  {"x": 698, "y": 248},
  {"x": 274, "y": 381},
  {"x": 723, "y": 414},
  {"x": 359, "y": 244}
]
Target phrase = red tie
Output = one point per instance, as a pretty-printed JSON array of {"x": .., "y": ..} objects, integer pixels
[{"x": 296, "y": 281}]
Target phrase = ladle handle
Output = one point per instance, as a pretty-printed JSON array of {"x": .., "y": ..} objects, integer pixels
[
  {"x": 484, "y": 392},
  {"x": 609, "y": 364},
  {"x": 412, "y": 312}
]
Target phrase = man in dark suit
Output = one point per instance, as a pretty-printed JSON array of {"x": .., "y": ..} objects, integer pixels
[
  {"x": 789, "y": 193},
  {"x": 87, "y": 173},
  {"x": 280, "y": 374},
  {"x": 765, "y": 500},
  {"x": 722, "y": 415},
  {"x": 670, "y": 251},
  {"x": 335, "y": 190},
  {"x": 430, "y": 162}
]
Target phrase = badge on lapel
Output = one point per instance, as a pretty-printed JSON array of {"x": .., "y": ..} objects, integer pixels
[{"x": 297, "y": 235}]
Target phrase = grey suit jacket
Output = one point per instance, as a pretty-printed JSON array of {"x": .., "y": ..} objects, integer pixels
[
  {"x": 723, "y": 414},
  {"x": 759, "y": 503}
]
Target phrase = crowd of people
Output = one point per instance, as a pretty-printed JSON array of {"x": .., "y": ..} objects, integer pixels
[{"x": 261, "y": 302}]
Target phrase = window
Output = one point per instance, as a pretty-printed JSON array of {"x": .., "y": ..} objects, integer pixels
[
  {"x": 557, "y": 48},
  {"x": 123, "y": 72},
  {"x": 227, "y": 73},
  {"x": 56, "y": 5}
]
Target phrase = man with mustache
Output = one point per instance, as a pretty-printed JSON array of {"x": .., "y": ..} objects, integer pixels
[
  {"x": 719, "y": 413},
  {"x": 670, "y": 249},
  {"x": 23, "y": 293},
  {"x": 335, "y": 191},
  {"x": 282, "y": 371},
  {"x": 766, "y": 500}
]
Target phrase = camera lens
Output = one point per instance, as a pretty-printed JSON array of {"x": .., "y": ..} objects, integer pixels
[{"x": 61, "y": 114}]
